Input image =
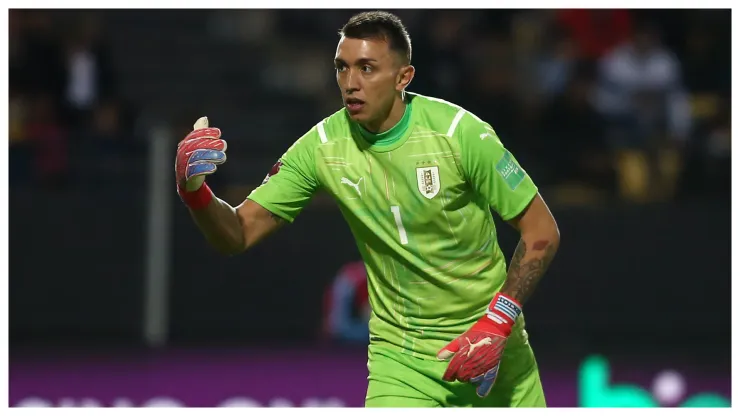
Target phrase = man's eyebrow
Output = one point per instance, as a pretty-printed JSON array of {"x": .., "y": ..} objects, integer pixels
[{"x": 358, "y": 62}]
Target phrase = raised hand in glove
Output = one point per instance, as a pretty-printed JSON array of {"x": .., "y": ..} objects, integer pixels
[{"x": 198, "y": 155}]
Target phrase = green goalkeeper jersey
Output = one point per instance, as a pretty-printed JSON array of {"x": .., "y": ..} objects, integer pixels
[{"x": 418, "y": 202}]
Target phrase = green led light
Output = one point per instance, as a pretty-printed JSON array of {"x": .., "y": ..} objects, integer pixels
[{"x": 595, "y": 390}]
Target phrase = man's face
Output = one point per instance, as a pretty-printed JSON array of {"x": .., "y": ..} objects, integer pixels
[{"x": 369, "y": 75}]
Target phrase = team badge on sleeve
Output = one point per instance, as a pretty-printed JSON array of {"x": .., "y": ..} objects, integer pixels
[
  {"x": 512, "y": 173},
  {"x": 275, "y": 169},
  {"x": 427, "y": 179}
]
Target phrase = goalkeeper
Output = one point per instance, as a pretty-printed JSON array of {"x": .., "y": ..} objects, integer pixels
[{"x": 415, "y": 178}]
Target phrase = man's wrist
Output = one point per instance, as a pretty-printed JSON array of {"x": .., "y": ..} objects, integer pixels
[
  {"x": 504, "y": 310},
  {"x": 198, "y": 199}
]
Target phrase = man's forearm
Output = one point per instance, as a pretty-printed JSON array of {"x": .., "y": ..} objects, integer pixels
[
  {"x": 531, "y": 259},
  {"x": 221, "y": 226}
]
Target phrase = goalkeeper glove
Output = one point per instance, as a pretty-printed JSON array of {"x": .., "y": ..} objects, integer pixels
[
  {"x": 476, "y": 354},
  {"x": 198, "y": 155}
]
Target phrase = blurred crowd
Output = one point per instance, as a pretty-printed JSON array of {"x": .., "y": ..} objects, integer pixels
[
  {"x": 68, "y": 125},
  {"x": 595, "y": 103}
]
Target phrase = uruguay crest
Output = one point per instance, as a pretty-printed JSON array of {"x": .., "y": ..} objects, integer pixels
[{"x": 427, "y": 179}]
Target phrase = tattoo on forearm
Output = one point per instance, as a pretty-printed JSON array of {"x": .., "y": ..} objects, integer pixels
[{"x": 524, "y": 274}]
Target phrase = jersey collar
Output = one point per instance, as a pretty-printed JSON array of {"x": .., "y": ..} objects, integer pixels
[{"x": 394, "y": 137}]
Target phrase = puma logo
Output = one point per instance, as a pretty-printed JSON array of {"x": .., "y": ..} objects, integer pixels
[
  {"x": 483, "y": 342},
  {"x": 356, "y": 186}
]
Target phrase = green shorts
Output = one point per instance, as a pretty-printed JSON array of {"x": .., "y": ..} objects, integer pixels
[{"x": 400, "y": 380}]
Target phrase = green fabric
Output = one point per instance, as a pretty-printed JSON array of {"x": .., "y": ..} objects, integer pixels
[
  {"x": 420, "y": 212},
  {"x": 399, "y": 380}
]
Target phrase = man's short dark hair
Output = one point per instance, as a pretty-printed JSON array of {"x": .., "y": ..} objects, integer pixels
[{"x": 380, "y": 25}]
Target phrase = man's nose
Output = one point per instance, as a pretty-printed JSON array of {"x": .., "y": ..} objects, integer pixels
[{"x": 353, "y": 82}]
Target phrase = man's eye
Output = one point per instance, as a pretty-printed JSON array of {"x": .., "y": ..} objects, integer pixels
[
  {"x": 341, "y": 68},
  {"x": 367, "y": 68}
]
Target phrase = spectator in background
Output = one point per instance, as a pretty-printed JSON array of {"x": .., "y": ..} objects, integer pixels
[
  {"x": 88, "y": 72},
  {"x": 346, "y": 306},
  {"x": 643, "y": 99},
  {"x": 597, "y": 31},
  {"x": 556, "y": 66},
  {"x": 507, "y": 66},
  {"x": 641, "y": 85}
]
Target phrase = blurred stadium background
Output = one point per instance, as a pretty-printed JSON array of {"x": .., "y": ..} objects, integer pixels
[{"x": 622, "y": 117}]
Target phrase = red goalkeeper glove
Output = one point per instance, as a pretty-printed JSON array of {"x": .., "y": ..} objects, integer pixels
[
  {"x": 198, "y": 155},
  {"x": 476, "y": 354}
]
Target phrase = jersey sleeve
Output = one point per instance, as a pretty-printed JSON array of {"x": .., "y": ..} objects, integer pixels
[
  {"x": 492, "y": 171},
  {"x": 292, "y": 181}
]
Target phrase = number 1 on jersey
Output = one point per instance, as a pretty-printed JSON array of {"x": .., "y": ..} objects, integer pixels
[{"x": 399, "y": 224}]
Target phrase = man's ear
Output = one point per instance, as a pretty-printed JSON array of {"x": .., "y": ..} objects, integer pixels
[{"x": 405, "y": 76}]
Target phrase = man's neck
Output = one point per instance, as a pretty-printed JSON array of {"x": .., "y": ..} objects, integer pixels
[{"x": 394, "y": 115}]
